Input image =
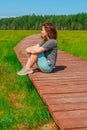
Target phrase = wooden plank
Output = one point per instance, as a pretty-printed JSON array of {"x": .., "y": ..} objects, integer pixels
[
  {"x": 72, "y": 123},
  {"x": 66, "y": 107},
  {"x": 67, "y": 95},
  {"x": 65, "y": 98},
  {"x": 61, "y": 76},
  {"x": 66, "y": 102},
  {"x": 44, "y": 89},
  {"x": 78, "y": 129},
  {"x": 71, "y": 119}
]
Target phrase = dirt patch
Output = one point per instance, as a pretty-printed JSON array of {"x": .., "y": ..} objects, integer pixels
[
  {"x": 49, "y": 126},
  {"x": 14, "y": 98}
]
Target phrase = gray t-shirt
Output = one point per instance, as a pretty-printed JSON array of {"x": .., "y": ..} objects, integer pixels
[{"x": 51, "y": 50}]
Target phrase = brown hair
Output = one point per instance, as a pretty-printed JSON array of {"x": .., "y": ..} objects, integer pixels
[{"x": 51, "y": 30}]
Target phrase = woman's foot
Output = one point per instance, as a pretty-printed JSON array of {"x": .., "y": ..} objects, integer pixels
[{"x": 25, "y": 71}]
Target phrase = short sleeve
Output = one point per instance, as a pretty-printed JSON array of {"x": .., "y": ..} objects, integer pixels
[
  {"x": 50, "y": 44},
  {"x": 41, "y": 43}
]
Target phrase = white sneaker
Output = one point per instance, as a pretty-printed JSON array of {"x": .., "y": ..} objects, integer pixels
[{"x": 25, "y": 71}]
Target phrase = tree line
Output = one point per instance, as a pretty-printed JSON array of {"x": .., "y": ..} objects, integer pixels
[{"x": 34, "y": 22}]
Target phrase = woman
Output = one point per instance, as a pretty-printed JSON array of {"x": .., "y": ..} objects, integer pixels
[{"x": 44, "y": 54}]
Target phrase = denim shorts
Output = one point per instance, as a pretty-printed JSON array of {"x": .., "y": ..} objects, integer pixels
[{"x": 43, "y": 64}]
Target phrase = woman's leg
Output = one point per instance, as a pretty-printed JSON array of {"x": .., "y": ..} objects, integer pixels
[
  {"x": 27, "y": 68},
  {"x": 31, "y": 60}
]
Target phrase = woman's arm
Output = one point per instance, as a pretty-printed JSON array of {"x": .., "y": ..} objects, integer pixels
[
  {"x": 35, "y": 49},
  {"x": 28, "y": 49}
]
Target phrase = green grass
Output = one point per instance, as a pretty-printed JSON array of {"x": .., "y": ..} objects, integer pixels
[
  {"x": 20, "y": 105},
  {"x": 73, "y": 42}
]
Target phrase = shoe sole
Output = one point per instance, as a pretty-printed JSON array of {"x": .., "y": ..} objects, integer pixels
[{"x": 25, "y": 73}]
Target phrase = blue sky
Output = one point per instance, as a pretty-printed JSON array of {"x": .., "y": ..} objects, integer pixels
[{"x": 16, "y": 8}]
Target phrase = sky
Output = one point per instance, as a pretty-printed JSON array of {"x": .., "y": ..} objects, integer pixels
[{"x": 15, "y": 8}]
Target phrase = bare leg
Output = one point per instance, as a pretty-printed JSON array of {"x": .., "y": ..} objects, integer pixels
[
  {"x": 31, "y": 60},
  {"x": 27, "y": 68}
]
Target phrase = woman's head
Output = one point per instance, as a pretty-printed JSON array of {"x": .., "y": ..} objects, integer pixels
[{"x": 49, "y": 31}]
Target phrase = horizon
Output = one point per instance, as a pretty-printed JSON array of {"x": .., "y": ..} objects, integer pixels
[{"x": 3, "y": 17}]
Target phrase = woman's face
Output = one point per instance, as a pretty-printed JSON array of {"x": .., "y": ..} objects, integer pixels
[{"x": 43, "y": 32}]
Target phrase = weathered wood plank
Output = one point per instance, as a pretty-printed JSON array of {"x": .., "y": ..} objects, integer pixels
[
  {"x": 67, "y": 107},
  {"x": 46, "y": 89},
  {"x": 71, "y": 119},
  {"x": 78, "y": 129}
]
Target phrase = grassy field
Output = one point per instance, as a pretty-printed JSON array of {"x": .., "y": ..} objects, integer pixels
[
  {"x": 20, "y": 105},
  {"x": 73, "y": 42}
]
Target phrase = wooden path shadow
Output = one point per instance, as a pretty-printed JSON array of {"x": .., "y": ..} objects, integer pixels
[{"x": 59, "y": 68}]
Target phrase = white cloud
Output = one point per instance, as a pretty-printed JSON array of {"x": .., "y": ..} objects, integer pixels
[{"x": 7, "y": 17}]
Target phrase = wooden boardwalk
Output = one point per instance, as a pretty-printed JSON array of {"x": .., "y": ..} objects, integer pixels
[{"x": 64, "y": 91}]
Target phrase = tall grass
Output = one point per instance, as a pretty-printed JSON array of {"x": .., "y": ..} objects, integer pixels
[
  {"x": 20, "y": 105},
  {"x": 73, "y": 42}
]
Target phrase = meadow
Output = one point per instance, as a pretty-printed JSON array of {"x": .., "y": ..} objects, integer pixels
[
  {"x": 73, "y": 42},
  {"x": 20, "y": 105}
]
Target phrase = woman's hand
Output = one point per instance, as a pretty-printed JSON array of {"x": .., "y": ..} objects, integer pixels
[{"x": 28, "y": 50}]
